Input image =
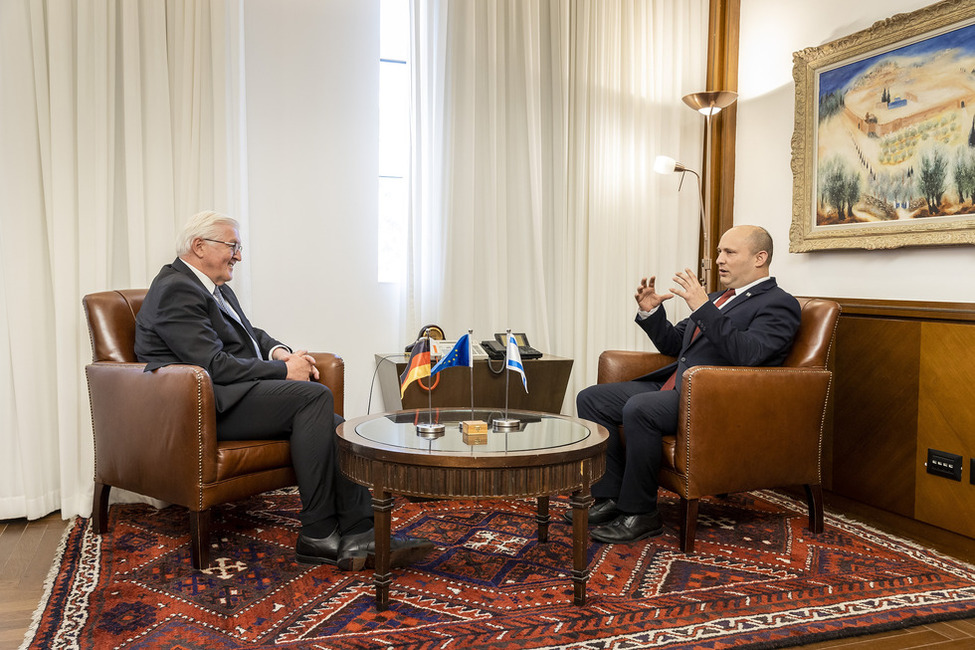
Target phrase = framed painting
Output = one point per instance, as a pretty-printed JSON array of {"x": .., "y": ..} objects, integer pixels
[{"x": 883, "y": 153}]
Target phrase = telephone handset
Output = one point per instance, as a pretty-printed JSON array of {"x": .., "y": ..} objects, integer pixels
[
  {"x": 433, "y": 331},
  {"x": 496, "y": 348}
]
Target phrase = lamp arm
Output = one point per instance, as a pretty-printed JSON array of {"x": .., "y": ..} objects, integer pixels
[
  {"x": 700, "y": 191},
  {"x": 705, "y": 235},
  {"x": 704, "y": 223}
]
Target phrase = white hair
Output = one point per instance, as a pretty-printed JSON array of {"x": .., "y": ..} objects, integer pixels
[{"x": 205, "y": 225}]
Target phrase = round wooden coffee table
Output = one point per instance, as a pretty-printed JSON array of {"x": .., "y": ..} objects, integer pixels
[{"x": 547, "y": 454}]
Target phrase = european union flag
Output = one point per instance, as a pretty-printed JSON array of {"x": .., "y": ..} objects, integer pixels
[{"x": 459, "y": 355}]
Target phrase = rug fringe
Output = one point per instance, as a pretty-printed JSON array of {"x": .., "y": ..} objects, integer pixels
[{"x": 52, "y": 575}]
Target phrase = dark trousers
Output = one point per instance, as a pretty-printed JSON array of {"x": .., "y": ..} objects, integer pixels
[
  {"x": 646, "y": 414},
  {"x": 303, "y": 411}
]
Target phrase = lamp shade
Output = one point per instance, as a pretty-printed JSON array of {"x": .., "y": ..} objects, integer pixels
[
  {"x": 710, "y": 102},
  {"x": 664, "y": 165},
  {"x": 667, "y": 165}
]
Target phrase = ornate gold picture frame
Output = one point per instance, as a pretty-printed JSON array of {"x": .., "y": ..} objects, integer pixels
[{"x": 883, "y": 153}]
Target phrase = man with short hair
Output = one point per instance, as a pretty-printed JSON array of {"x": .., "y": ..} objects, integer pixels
[
  {"x": 260, "y": 386},
  {"x": 750, "y": 322}
]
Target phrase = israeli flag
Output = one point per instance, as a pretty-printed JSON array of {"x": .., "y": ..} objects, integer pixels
[
  {"x": 514, "y": 360},
  {"x": 459, "y": 355}
]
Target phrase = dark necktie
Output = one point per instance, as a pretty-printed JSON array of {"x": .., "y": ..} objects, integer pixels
[
  {"x": 722, "y": 299},
  {"x": 227, "y": 309}
]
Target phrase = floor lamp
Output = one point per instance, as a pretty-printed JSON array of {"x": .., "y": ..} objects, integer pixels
[{"x": 709, "y": 104}]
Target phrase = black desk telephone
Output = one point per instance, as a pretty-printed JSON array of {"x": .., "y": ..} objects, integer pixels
[{"x": 495, "y": 349}]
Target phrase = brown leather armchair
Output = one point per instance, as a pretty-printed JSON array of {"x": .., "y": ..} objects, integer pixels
[
  {"x": 743, "y": 428},
  {"x": 155, "y": 432}
]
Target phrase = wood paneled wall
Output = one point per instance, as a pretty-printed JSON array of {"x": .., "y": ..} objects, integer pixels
[{"x": 904, "y": 383}]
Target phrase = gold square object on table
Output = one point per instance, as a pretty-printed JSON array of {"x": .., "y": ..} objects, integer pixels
[{"x": 475, "y": 432}]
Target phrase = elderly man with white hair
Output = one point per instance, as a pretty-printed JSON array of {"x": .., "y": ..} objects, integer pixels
[{"x": 190, "y": 315}]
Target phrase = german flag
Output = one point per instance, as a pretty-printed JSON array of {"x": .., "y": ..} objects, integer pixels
[{"x": 418, "y": 366}]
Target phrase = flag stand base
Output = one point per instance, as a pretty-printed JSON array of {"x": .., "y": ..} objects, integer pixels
[
  {"x": 431, "y": 430},
  {"x": 507, "y": 424}
]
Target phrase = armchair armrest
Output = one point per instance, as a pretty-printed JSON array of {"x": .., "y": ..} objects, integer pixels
[
  {"x": 331, "y": 370},
  {"x": 735, "y": 435},
  {"x": 624, "y": 365},
  {"x": 152, "y": 429}
]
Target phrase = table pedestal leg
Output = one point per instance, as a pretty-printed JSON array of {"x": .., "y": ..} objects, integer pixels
[
  {"x": 382, "y": 506},
  {"x": 580, "y": 502},
  {"x": 542, "y": 518}
]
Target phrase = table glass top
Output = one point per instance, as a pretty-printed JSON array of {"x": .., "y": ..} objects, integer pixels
[{"x": 536, "y": 431}]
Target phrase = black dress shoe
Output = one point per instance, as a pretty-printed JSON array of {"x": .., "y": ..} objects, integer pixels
[
  {"x": 629, "y": 528},
  {"x": 356, "y": 551},
  {"x": 601, "y": 512},
  {"x": 403, "y": 551},
  {"x": 320, "y": 550}
]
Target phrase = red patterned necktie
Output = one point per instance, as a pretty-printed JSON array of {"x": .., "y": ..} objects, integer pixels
[{"x": 672, "y": 380}]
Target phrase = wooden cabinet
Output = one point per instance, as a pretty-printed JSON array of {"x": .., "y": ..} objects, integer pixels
[
  {"x": 904, "y": 383},
  {"x": 547, "y": 377}
]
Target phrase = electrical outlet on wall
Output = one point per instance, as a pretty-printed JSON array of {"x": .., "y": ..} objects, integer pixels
[{"x": 945, "y": 464}]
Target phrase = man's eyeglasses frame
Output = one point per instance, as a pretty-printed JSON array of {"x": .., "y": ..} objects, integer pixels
[{"x": 234, "y": 246}]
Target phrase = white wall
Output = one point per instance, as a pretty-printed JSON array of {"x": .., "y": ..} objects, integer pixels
[
  {"x": 771, "y": 30},
  {"x": 312, "y": 78}
]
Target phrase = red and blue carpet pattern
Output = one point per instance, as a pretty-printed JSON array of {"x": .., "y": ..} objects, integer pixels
[{"x": 758, "y": 579}]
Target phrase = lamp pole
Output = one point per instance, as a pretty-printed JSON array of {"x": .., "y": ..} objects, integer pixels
[{"x": 706, "y": 204}]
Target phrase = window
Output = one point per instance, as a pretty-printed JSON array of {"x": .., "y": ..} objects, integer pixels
[{"x": 394, "y": 137}]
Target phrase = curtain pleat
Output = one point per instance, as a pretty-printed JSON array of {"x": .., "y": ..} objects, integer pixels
[{"x": 118, "y": 120}]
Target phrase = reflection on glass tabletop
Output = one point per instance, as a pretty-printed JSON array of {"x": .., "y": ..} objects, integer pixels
[{"x": 536, "y": 431}]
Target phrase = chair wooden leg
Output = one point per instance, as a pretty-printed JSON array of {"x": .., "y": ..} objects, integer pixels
[
  {"x": 542, "y": 519},
  {"x": 99, "y": 508},
  {"x": 688, "y": 524},
  {"x": 814, "y": 497},
  {"x": 200, "y": 539}
]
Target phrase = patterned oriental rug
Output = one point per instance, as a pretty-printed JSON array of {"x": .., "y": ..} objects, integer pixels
[{"x": 758, "y": 580}]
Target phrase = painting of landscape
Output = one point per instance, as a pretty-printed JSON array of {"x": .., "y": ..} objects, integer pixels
[{"x": 895, "y": 134}]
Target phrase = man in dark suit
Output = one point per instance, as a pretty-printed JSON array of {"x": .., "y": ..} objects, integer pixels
[
  {"x": 750, "y": 322},
  {"x": 260, "y": 386}
]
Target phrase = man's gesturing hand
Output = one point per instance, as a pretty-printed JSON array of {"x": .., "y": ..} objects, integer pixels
[
  {"x": 690, "y": 289},
  {"x": 647, "y": 298}
]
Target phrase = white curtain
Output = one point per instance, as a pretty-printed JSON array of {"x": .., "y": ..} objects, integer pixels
[
  {"x": 118, "y": 120},
  {"x": 534, "y": 204}
]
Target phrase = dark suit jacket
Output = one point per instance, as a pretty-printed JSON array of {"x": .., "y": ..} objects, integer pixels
[
  {"x": 755, "y": 329},
  {"x": 180, "y": 322}
]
